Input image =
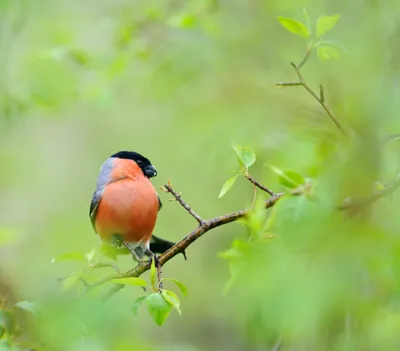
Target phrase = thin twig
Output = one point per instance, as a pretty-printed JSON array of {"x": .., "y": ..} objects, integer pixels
[
  {"x": 302, "y": 82},
  {"x": 289, "y": 84},
  {"x": 314, "y": 94},
  {"x": 258, "y": 185},
  {"x": 254, "y": 196},
  {"x": 178, "y": 198},
  {"x": 321, "y": 93},
  {"x": 359, "y": 203},
  {"x": 305, "y": 59}
]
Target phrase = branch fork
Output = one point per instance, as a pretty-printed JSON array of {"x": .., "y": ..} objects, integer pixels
[{"x": 319, "y": 98}]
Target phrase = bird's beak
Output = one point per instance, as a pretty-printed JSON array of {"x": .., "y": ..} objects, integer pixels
[{"x": 150, "y": 172}]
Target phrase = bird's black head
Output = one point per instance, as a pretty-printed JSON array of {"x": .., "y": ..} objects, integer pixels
[{"x": 145, "y": 165}]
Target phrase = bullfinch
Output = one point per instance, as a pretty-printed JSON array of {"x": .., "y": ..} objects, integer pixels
[{"x": 125, "y": 205}]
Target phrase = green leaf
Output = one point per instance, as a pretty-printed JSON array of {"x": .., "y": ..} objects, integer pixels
[
  {"x": 158, "y": 308},
  {"x": 325, "y": 24},
  {"x": 28, "y": 306},
  {"x": 290, "y": 179},
  {"x": 172, "y": 299},
  {"x": 227, "y": 186},
  {"x": 137, "y": 303},
  {"x": 70, "y": 256},
  {"x": 108, "y": 251},
  {"x": 153, "y": 273},
  {"x": 2, "y": 331},
  {"x": 294, "y": 26},
  {"x": 130, "y": 281},
  {"x": 245, "y": 155},
  {"x": 70, "y": 281},
  {"x": 182, "y": 287},
  {"x": 328, "y": 52}
]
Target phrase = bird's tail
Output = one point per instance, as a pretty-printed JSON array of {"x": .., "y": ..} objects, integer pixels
[{"x": 158, "y": 245}]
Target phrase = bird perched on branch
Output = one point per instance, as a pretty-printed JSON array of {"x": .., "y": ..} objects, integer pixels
[{"x": 125, "y": 205}]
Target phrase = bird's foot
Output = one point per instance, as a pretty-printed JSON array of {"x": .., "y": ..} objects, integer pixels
[{"x": 152, "y": 256}]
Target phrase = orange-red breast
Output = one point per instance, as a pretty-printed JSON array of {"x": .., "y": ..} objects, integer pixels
[{"x": 125, "y": 204}]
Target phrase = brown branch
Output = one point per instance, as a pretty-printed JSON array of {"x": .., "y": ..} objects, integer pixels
[
  {"x": 258, "y": 185},
  {"x": 178, "y": 197},
  {"x": 182, "y": 245}
]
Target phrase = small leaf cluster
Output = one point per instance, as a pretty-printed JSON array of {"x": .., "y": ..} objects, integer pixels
[
  {"x": 159, "y": 303},
  {"x": 326, "y": 50},
  {"x": 258, "y": 222},
  {"x": 246, "y": 157}
]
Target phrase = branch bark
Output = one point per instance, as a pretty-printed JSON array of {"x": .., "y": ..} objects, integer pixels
[
  {"x": 258, "y": 185},
  {"x": 182, "y": 245},
  {"x": 178, "y": 197}
]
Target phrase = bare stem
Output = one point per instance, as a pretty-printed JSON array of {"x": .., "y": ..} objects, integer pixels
[
  {"x": 316, "y": 97},
  {"x": 359, "y": 203},
  {"x": 302, "y": 82},
  {"x": 178, "y": 198},
  {"x": 258, "y": 185},
  {"x": 305, "y": 59},
  {"x": 289, "y": 84}
]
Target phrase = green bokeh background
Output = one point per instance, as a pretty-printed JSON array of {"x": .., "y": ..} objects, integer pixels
[{"x": 179, "y": 81}]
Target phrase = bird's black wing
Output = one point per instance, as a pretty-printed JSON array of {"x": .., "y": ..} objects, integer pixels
[{"x": 94, "y": 205}]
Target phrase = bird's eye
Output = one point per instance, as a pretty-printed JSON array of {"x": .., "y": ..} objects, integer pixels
[{"x": 139, "y": 162}]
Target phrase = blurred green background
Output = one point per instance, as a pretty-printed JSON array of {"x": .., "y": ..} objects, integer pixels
[{"x": 179, "y": 81}]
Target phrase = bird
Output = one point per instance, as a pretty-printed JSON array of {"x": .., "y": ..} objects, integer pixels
[{"x": 125, "y": 205}]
